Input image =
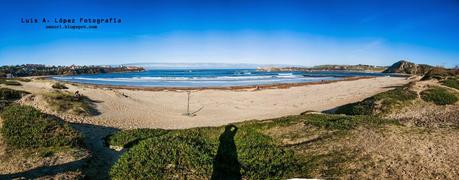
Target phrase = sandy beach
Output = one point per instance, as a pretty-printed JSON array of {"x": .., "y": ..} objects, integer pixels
[{"x": 127, "y": 108}]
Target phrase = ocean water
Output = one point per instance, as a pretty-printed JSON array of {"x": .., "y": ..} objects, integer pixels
[{"x": 208, "y": 77}]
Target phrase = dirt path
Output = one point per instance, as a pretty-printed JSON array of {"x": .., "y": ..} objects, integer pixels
[{"x": 102, "y": 158}]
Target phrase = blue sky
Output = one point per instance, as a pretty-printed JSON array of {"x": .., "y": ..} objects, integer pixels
[{"x": 303, "y": 32}]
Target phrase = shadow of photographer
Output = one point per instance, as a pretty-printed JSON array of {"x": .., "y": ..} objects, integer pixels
[{"x": 226, "y": 164}]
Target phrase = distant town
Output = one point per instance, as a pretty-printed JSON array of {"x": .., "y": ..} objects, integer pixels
[{"x": 45, "y": 70}]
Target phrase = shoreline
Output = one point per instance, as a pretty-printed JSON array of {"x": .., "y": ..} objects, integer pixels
[{"x": 246, "y": 87}]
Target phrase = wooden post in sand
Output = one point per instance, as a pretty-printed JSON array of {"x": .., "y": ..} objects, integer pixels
[
  {"x": 188, "y": 113},
  {"x": 188, "y": 104}
]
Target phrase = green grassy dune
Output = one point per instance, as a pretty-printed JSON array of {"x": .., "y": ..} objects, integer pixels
[
  {"x": 380, "y": 103},
  {"x": 64, "y": 102},
  {"x": 452, "y": 83},
  {"x": 26, "y": 127},
  {"x": 245, "y": 150},
  {"x": 439, "y": 96}
]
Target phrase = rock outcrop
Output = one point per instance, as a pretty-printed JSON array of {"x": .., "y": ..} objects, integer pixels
[{"x": 406, "y": 67}]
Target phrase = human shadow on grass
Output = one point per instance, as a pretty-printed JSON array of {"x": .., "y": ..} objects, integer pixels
[{"x": 226, "y": 164}]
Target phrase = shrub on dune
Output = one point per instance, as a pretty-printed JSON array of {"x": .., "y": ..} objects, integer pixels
[
  {"x": 26, "y": 127},
  {"x": 59, "y": 85},
  {"x": 359, "y": 108},
  {"x": 10, "y": 82},
  {"x": 65, "y": 102},
  {"x": 7, "y": 94},
  {"x": 246, "y": 150},
  {"x": 165, "y": 158},
  {"x": 128, "y": 137},
  {"x": 340, "y": 122},
  {"x": 23, "y": 79},
  {"x": 261, "y": 158},
  {"x": 451, "y": 82},
  {"x": 380, "y": 103},
  {"x": 439, "y": 96},
  {"x": 198, "y": 154}
]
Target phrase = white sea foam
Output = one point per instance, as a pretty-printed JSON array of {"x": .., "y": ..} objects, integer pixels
[
  {"x": 285, "y": 74},
  {"x": 217, "y": 78},
  {"x": 195, "y": 78}
]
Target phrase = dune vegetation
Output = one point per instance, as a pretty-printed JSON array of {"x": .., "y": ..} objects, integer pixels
[
  {"x": 61, "y": 101},
  {"x": 13, "y": 81},
  {"x": 30, "y": 139},
  {"x": 127, "y": 138},
  {"x": 439, "y": 96},
  {"x": 10, "y": 82},
  {"x": 451, "y": 82},
  {"x": 26, "y": 127},
  {"x": 381, "y": 103},
  {"x": 59, "y": 85},
  {"x": 211, "y": 152},
  {"x": 7, "y": 94}
]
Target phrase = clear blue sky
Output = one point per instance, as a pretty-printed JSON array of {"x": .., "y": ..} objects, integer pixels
[{"x": 304, "y": 32}]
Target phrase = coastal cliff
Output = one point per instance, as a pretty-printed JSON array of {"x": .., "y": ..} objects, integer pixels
[{"x": 426, "y": 71}]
